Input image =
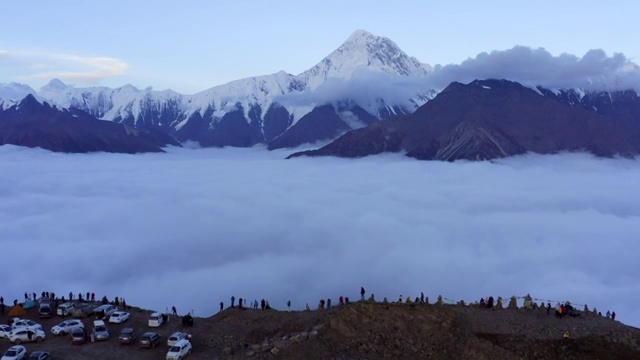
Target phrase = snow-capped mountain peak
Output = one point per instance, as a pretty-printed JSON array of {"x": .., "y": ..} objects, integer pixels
[
  {"x": 55, "y": 85},
  {"x": 12, "y": 93},
  {"x": 364, "y": 50},
  {"x": 259, "y": 109}
]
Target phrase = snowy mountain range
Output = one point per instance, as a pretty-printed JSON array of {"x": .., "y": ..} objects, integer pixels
[
  {"x": 257, "y": 109},
  {"x": 367, "y": 79}
]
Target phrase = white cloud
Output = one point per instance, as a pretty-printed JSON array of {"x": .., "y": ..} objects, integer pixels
[
  {"x": 37, "y": 67},
  {"x": 529, "y": 66},
  {"x": 595, "y": 70},
  {"x": 192, "y": 227}
]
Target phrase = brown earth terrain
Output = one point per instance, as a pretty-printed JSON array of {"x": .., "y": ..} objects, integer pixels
[{"x": 366, "y": 330}]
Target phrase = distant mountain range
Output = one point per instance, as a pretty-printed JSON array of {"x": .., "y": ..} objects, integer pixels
[
  {"x": 490, "y": 119},
  {"x": 32, "y": 124},
  {"x": 366, "y": 80},
  {"x": 281, "y": 109}
]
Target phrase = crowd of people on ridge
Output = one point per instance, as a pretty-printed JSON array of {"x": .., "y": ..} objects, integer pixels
[{"x": 561, "y": 309}]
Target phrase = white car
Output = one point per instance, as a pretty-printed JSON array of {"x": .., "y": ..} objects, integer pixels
[
  {"x": 16, "y": 352},
  {"x": 5, "y": 330},
  {"x": 64, "y": 309},
  {"x": 100, "y": 330},
  {"x": 177, "y": 336},
  {"x": 155, "y": 320},
  {"x": 20, "y": 335},
  {"x": 119, "y": 317},
  {"x": 179, "y": 350},
  {"x": 66, "y": 327},
  {"x": 25, "y": 323}
]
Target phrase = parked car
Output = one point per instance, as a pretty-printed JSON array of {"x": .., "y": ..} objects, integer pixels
[
  {"x": 39, "y": 355},
  {"x": 78, "y": 336},
  {"x": 5, "y": 330},
  {"x": 156, "y": 319},
  {"x": 179, "y": 350},
  {"x": 119, "y": 317},
  {"x": 83, "y": 310},
  {"x": 177, "y": 336},
  {"x": 127, "y": 336},
  {"x": 66, "y": 327},
  {"x": 20, "y": 335},
  {"x": 105, "y": 311},
  {"x": 45, "y": 311},
  {"x": 64, "y": 309},
  {"x": 16, "y": 352},
  {"x": 25, "y": 323},
  {"x": 149, "y": 340},
  {"x": 100, "y": 331}
]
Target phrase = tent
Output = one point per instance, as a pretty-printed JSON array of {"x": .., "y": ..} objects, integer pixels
[
  {"x": 28, "y": 304},
  {"x": 17, "y": 311}
]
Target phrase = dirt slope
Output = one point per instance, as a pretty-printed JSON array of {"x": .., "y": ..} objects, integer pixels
[{"x": 370, "y": 331}]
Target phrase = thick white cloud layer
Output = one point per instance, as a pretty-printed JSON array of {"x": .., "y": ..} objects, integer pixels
[
  {"x": 192, "y": 227},
  {"x": 595, "y": 71}
]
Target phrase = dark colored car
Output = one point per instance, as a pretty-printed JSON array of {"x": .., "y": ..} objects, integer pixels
[
  {"x": 127, "y": 336},
  {"x": 45, "y": 311},
  {"x": 150, "y": 340},
  {"x": 39, "y": 355},
  {"x": 78, "y": 336},
  {"x": 82, "y": 310}
]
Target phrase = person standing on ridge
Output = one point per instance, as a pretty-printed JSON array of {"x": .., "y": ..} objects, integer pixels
[
  {"x": 233, "y": 301},
  {"x": 362, "y": 292},
  {"x": 613, "y": 315},
  {"x": 174, "y": 311},
  {"x": 221, "y": 306},
  {"x": 341, "y": 300},
  {"x": 289, "y": 305}
]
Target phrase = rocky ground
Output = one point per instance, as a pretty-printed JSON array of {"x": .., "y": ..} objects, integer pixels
[{"x": 369, "y": 331}]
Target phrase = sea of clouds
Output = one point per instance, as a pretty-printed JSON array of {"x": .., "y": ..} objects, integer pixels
[
  {"x": 593, "y": 71},
  {"x": 192, "y": 227}
]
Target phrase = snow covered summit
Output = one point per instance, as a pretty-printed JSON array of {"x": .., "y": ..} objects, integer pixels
[
  {"x": 260, "y": 109},
  {"x": 364, "y": 50}
]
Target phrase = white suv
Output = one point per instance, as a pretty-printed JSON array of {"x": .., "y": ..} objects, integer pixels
[
  {"x": 21, "y": 335},
  {"x": 66, "y": 327},
  {"x": 64, "y": 309},
  {"x": 25, "y": 323},
  {"x": 177, "y": 336},
  {"x": 179, "y": 350}
]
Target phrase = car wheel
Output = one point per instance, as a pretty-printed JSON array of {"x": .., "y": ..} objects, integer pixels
[
  {"x": 39, "y": 339},
  {"x": 17, "y": 341}
]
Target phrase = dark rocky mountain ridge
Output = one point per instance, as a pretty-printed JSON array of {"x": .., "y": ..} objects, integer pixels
[
  {"x": 489, "y": 119},
  {"x": 34, "y": 124}
]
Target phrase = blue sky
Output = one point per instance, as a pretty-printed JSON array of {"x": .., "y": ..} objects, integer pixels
[{"x": 193, "y": 45}]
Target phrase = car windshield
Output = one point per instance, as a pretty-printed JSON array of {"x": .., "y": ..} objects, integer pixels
[
  {"x": 100, "y": 328},
  {"x": 174, "y": 349},
  {"x": 11, "y": 353}
]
